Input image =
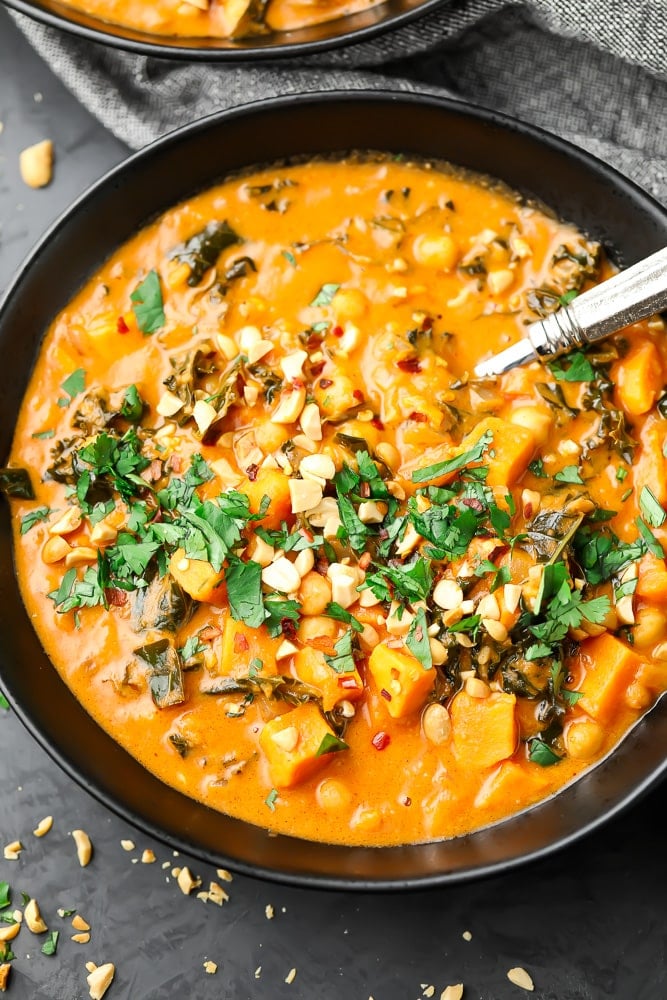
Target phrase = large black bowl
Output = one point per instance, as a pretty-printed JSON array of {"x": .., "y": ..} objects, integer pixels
[
  {"x": 581, "y": 189},
  {"x": 276, "y": 44}
]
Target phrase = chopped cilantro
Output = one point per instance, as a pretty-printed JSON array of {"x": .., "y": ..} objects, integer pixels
[
  {"x": 244, "y": 592},
  {"x": 335, "y": 611},
  {"x": 411, "y": 582},
  {"x": 133, "y": 405},
  {"x": 571, "y": 697},
  {"x": 474, "y": 454},
  {"x": 652, "y": 543},
  {"x": 651, "y": 508},
  {"x": 5, "y": 895},
  {"x": 621, "y": 474},
  {"x": 570, "y": 474},
  {"x": 44, "y": 435},
  {"x": 270, "y": 799},
  {"x": 343, "y": 661},
  {"x": 147, "y": 305},
  {"x": 73, "y": 385},
  {"x": 36, "y": 516},
  {"x": 325, "y": 295},
  {"x": 567, "y": 297},
  {"x": 4, "y": 704},
  {"x": 51, "y": 943},
  {"x": 192, "y": 648},
  {"x": 277, "y": 608},
  {"x": 579, "y": 369},
  {"x": 289, "y": 257},
  {"x": 331, "y": 744},
  {"x": 537, "y": 469},
  {"x": 417, "y": 640},
  {"x": 542, "y": 754}
]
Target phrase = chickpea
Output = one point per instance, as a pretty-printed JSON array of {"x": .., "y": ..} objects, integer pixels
[
  {"x": 270, "y": 437},
  {"x": 349, "y": 304},
  {"x": 363, "y": 429},
  {"x": 314, "y": 593},
  {"x": 583, "y": 739},
  {"x": 534, "y": 419},
  {"x": 389, "y": 455},
  {"x": 317, "y": 627},
  {"x": 650, "y": 628},
  {"x": 638, "y": 696},
  {"x": 435, "y": 250},
  {"x": 335, "y": 396},
  {"x": 333, "y": 794}
]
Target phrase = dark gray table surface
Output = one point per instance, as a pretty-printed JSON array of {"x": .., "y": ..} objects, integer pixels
[{"x": 587, "y": 924}]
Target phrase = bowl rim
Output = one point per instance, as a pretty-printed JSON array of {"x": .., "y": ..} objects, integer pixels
[
  {"x": 309, "y": 879},
  {"x": 165, "y": 47}
]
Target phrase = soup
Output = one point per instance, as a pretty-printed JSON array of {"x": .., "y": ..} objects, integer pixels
[
  {"x": 293, "y": 557},
  {"x": 219, "y": 18}
]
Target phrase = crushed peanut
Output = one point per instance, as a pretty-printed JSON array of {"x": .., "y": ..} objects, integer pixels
[
  {"x": 521, "y": 978},
  {"x": 84, "y": 848},
  {"x": 43, "y": 826}
]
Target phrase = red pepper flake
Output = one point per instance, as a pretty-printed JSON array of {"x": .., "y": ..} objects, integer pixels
[
  {"x": 121, "y": 325},
  {"x": 407, "y": 801},
  {"x": 385, "y": 694},
  {"x": 321, "y": 566},
  {"x": 241, "y": 644},
  {"x": 364, "y": 490},
  {"x": 419, "y": 418},
  {"x": 252, "y": 472},
  {"x": 473, "y": 503},
  {"x": 365, "y": 560},
  {"x": 209, "y": 633},
  {"x": 528, "y": 511},
  {"x": 115, "y": 596},
  {"x": 411, "y": 365},
  {"x": 288, "y": 628},
  {"x": 153, "y": 472},
  {"x": 325, "y": 383},
  {"x": 175, "y": 463},
  {"x": 377, "y": 424},
  {"x": 381, "y": 740},
  {"x": 349, "y": 683},
  {"x": 358, "y": 395},
  {"x": 317, "y": 369},
  {"x": 338, "y": 331}
]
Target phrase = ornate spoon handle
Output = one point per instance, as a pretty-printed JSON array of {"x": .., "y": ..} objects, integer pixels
[{"x": 628, "y": 297}]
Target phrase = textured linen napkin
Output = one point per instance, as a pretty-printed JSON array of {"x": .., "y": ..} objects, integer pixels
[{"x": 592, "y": 71}]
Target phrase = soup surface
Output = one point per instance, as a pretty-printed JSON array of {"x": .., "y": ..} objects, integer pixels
[
  {"x": 219, "y": 18},
  {"x": 285, "y": 548}
]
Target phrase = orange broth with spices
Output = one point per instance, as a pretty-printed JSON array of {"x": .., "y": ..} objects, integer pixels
[{"x": 452, "y": 598}]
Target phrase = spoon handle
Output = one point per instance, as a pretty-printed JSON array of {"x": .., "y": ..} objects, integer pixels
[{"x": 628, "y": 297}]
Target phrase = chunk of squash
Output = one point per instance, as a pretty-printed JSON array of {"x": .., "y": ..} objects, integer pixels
[
  {"x": 650, "y": 466},
  {"x": 638, "y": 378},
  {"x": 652, "y": 582},
  {"x": 485, "y": 729},
  {"x": 196, "y": 576},
  {"x": 290, "y": 743},
  {"x": 609, "y": 666},
  {"x": 509, "y": 453},
  {"x": 512, "y": 785},
  {"x": 240, "y": 645},
  {"x": 402, "y": 677},
  {"x": 311, "y": 668},
  {"x": 274, "y": 484}
]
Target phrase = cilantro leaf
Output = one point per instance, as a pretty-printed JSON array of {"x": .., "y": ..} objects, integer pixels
[
  {"x": 132, "y": 406},
  {"x": 5, "y": 895},
  {"x": 343, "y": 661},
  {"x": 338, "y": 613},
  {"x": 537, "y": 468},
  {"x": 147, "y": 305},
  {"x": 74, "y": 384},
  {"x": 474, "y": 454},
  {"x": 412, "y": 582},
  {"x": 579, "y": 369},
  {"x": 36, "y": 516},
  {"x": 270, "y": 799},
  {"x": 542, "y": 754},
  {"x": 417, "y": 640},
  {"x": 325, "y": 295},
  {"x": 4, "y": 704},
  {"x": 331, "y": 744},
  {"x": 651, "y": 508},
  {"x": 244, "y": 592},
  {"x": 355, "y": 529},
  {"x": 652, "y": 543},
  {"x": 277, "y": 609},
  {"x": 569, "y": 474},
  {"x": 50, "y": 945}
]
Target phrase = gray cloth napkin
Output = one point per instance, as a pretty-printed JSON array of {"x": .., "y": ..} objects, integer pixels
[{"x": 592, "y": 71}]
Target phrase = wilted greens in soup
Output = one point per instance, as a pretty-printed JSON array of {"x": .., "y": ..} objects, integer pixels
[{"x": 287, "y": 550}]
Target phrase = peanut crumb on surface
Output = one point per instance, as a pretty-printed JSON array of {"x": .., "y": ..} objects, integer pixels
[
  {"x": 13, "y": 850},
  {"x": 83, "y": 938},
  {"x": 127, "y": 845},
  {"x": 224, "y": 874},
  {"x": 90, "y": 966},
  {"x": 100, "y": 979},
  {"x": 79, "y": 924},
  {"x": 148, "y": 857},
  {"x": 258, "y": 971},
  {"x": 210, "y": 967},
  {"x": 467, "y": 936},
  {"x": 521, "y": 978},
  {"x": 290, "y": 977},
  {"x": 269, "y": 912},
  {"x": 84, "y": 848},
  {"x": 43, "y": 826},
  {"x": 454, "y": 992},
  {"x": 429, "y": 991},
  {"x": 5, "y": 969},
  {"x": 36, "y": 164},
  {"x": 187, "y": 881}
]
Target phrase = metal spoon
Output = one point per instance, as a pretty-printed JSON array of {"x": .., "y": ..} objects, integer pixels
[{"x": 628, "y": 297}]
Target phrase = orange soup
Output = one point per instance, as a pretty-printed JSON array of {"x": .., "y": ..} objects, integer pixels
[
  {"x": 294, "y": 557},
  {"x": 219, "y": 18}
]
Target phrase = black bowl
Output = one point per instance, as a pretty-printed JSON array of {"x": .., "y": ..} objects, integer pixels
[
  {"x": 277, "y": 44},
  {"x": 580, "y": 189}
]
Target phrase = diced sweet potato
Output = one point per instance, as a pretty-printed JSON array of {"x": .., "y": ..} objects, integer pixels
[
  {"x": 653, "y": 675},
  {"x": 638, "y": 378},
  {"x": 652, "y": 582},
  {"x": 274, "y": 484},
  {"x": 513, "y": 786},
  {"x": 404, "y": 679},
  {"x": 650, "y": 463},
  {"x": 485, "y": 729},
  {"x": 311, "y": 668},
  {"x": 196, "y": 576},
  {"x": 509, "y": 453},
  {"x": 290, "y": 743},
  {"x": 610, "y": 666},
  {"x": 240, "y": 645}
]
